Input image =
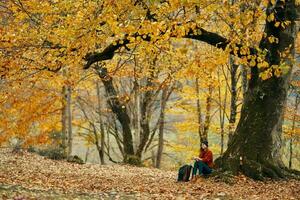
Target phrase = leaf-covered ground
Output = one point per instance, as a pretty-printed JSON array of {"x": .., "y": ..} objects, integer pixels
[{"x": 29, "y": 176}]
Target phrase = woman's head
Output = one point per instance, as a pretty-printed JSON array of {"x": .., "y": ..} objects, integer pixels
[{"x": 204, "y": 145}]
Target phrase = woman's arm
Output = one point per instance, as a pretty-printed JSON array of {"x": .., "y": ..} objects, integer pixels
[{"x": 197, "y": 158}]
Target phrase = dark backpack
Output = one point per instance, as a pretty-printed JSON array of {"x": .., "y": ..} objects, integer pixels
[{"x": 184, "y": 173}]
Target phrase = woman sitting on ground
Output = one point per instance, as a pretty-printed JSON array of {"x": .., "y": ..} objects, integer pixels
[{"x": 204, "y": 162}]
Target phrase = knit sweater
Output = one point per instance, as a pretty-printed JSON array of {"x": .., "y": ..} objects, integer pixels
[{"x": 207, "y": 157}]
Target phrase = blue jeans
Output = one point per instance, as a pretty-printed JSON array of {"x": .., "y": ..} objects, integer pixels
[{"x": 202, "y": 167}]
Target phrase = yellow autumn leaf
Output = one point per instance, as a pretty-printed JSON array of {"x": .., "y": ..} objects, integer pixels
[
  {"x": 263, "y": 64},
  {"x": 271, "y": 17},
  {"x": 277, "y": 72},
  {"x": 252, "y": 63},
  {"x": 277, "y": 24}
]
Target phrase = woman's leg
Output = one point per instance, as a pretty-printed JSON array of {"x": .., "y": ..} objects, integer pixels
[
  {"x": 195, "y": 168},
  {"x": 206, "y": 169},
  {"x": 203, "y": 168}
]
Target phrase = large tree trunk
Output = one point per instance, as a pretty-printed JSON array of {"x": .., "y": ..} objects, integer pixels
[
  {"x": 255, "y": 146},
  {"x": 120, "y": 111}
]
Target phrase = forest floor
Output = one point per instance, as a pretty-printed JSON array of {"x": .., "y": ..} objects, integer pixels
[{"x": 30, "y": 176}]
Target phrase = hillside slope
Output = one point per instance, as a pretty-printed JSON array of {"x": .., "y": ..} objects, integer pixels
[{"x": 35, "y": 177}]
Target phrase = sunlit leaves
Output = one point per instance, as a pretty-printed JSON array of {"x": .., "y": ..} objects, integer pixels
[
  {"x": 43, "y": 35},
  {"x": 271, "y": 17}
]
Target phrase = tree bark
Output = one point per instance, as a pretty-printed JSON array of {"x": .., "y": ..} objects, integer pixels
[
  {"x": 64, "y": 119},
  {"x": 244, "y": 72},
  {"x": 145, "y": 121},
  {"x": 120, "y": 111},
  {"x": 233, "y": 106},
  {"x": 87, "y": 153},
  {"x": 69, "y": 114},
  {"x": 199, "y": 115},
  {"x": 255, "y": 146},
  {"x": 291, "y": 152},
  {"x": 164, "y": 99},
  {"x": 207, "y": 114},
  {"x": 163, "y": 102},
  {"x": 222, "y": 110},
  {"x": 102, "y": 134},
  {"x": 137, "y": 110}
]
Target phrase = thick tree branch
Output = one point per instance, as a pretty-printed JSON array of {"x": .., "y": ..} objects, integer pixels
[
  {"x": 211, "y": 38},
  {"x": 107, "y": 54},
  {"x": 198, "y": 34}
]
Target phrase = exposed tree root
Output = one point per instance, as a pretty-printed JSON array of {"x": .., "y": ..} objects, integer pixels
[
  {"x": 223, "y": 176},
  {"x": 256, "y": 170}
]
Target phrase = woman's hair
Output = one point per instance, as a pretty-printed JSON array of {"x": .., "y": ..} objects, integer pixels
[{"x": 204, "y": 142}]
